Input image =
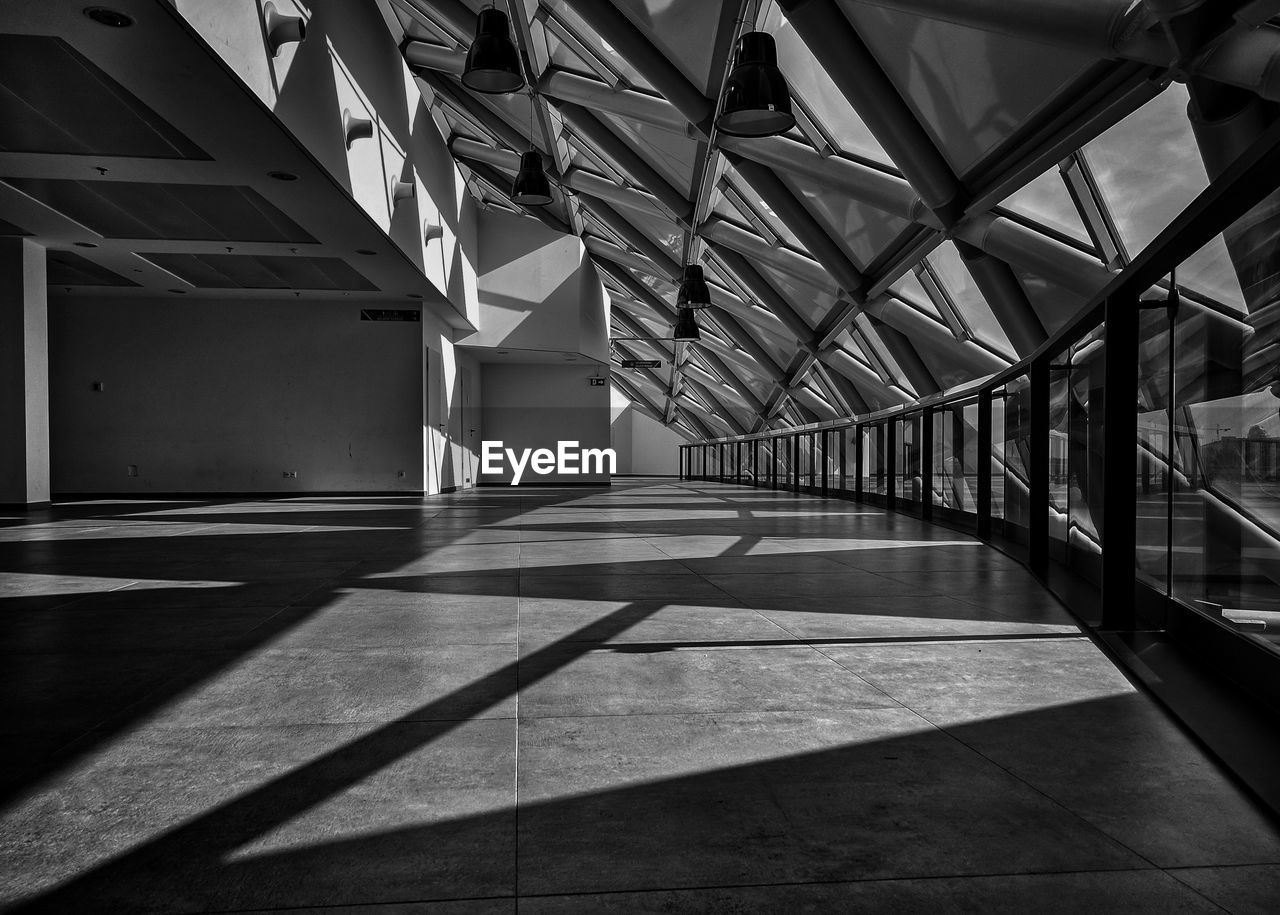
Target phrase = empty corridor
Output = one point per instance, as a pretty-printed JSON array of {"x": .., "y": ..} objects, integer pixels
[{"x": 658, "y": 696}]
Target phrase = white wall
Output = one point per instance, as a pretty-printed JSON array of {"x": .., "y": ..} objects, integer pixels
[
  {"x": 222, "y": 396},
  {"x": 537, "y": 406},
  {"x": 644, "y": 445},
  {"x": 655, "y": 448},
  {"x": 350, "y": 62},
  {"x": 537, "y": 290},
  {"x": 451, "y": 411}
]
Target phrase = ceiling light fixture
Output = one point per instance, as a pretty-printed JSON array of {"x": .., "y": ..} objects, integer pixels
[
  {"x": 693, "y": 289},
  {"x": 109, "y": 17},
  {"x": 493, "y": 63},
  {"x": 756, "y": 101},
  {"x": 282, "y": 176},
  {"x": 686, "y": 327},
  {"x": 531, "y": 187}
]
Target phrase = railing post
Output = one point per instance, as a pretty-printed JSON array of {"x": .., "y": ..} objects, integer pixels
[
  {"x": 858, "y": 458},
  {"x": 926, "y": 464},
  {"x": 890, "y": 465},
  {"x": 1038, "y": 469},
  {"x": 1118, "y": 525},
  {"x": 984, "y": 449}
]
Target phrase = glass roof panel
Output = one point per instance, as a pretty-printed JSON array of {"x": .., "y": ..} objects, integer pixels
[
  {"x": 1044, "y": 200},
  {"x": 566, "y": 14},
  {"x": 1210, "y": 272},
  {"x": 908, "y": 289},
  {"x": 955, "y": 276},
  {"x": 673, "y": 157},
  {"x": 810, "y": 81},
  {"x": 663, "y": 231},
  {"x": 769, "y": 217},
  {"x": 724, "y": 208},
  {"x": 563, "y": 57},
  {"x": 682, "y": 31},
  {"x": 1148, "y": 167},
  {"x": 864, "y": 231},
  {"x": 970, "y": 88},
  {"x": 1054, "y": 305},
  {"x": 809, "y": 302}
]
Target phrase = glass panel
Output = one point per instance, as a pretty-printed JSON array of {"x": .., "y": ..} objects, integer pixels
[
  {"x": 1059, "y": 470},
  {"x": 972, "y": 88},
  {"x": 864, "y": 232},
  {"x": 1054, "y": 305},
  {"x": 682, "y": 31},
  {"x": 805, "y": 467},
  {"x": 1226, "y": 525},
  {"x": 672, "y": 156},
  {"x": 1085, "y": 455},
  {"x": 910, "y": 480},
  {"x": 565, "y": 13},
  {"x": 1017, "y": 452},
  {"x": 939, "y": 458},
  {"x": 1148, "y": 167},
  {"x": 809, "y": 81},
  {"x": 954, "y": 456},
  {"x": 1045, "y": 200},
  {"x": 809, "y": 301},
  {"x": 955, "y": 275},
  {"x": 909, "y": 290},
  {"x": 852, "y": 436},
  {"x": 1153, "y": 478},
  {"x": 875, "y": 449},
  {"x": 996, "y": 453}
]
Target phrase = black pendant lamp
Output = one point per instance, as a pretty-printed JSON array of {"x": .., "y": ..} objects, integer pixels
[
  {"x": 531, "y": 187},
  {"x": 686, "y": 327},
  {"x": 693, "y": 289},
  {"x": 756, "y": 100},
  {"x": 493, "y": 63}
]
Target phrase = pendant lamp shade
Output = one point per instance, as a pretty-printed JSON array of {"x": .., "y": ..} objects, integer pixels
[
  {"x": 693, "y": 289},
  {"x": 686, "y": 326},
  {"x": 531, "y": 187},
  {"x": 493, "y": 63},
  {"x": 756, "y": 100}
]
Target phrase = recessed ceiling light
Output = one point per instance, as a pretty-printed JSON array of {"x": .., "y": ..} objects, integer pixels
[
  {"x": 104, "y": 16},
  {"x": 504, "y": 352},
  {"x": 365, "y": 251},
  {"x": 85, "y": 244},
  {"x": 178, "y": 291},
  {"x": 283, "y": 176},
  {"x": 415, "y": 295}
]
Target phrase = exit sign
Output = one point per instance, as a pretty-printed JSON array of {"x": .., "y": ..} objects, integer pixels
[
  {"x": 597, "y": 382},
  {"x": 641, "y": 364}
]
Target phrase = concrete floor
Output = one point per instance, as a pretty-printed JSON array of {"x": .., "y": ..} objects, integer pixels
[{"x": 656, "y": 697}]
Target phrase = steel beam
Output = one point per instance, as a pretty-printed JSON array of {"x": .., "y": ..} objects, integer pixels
[
  {"x": 613, "y": 27},
  {"x": 904, "y": 352},
  {"x": 842, "y": 365},
  {"x": 611, "y": 252},
  {"x": 820, "y": 245},
  {"x": 640, "y": 292},
  {"x": 871, "y": 186},
  {"x": 637, "y": 239},
  {"x": 1048, "y": 259},
  {"x": 595, "y": 131},
  {"x": 788, "y": 260},
  {"x": 769, "y": 297},
  {"x": 1009, "y": 303},
  {"x": 859, "y": 77}
]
